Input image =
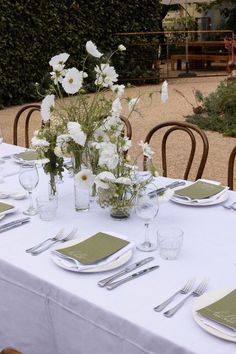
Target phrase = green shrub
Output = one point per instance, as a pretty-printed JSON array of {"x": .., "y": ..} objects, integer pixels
[
  {"x": 219, "y": 110},
  {"x": 33, "y": 31}
]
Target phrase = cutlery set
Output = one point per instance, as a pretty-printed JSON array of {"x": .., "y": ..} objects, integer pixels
[{"x": 46, "y": 244}]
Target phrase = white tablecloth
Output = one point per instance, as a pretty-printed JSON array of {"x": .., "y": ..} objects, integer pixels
[{"x": 46, "y": 309}]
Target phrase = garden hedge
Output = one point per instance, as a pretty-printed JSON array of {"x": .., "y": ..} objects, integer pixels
[{"x": 32, "y": 31}]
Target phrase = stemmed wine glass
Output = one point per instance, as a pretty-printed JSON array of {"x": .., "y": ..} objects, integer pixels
[
  {"x": 146, "y": 208},
  {"x": 29, "y": 179}
]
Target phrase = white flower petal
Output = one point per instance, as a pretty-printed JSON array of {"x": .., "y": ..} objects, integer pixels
[
  {"x": 73, "y": 80},
  {"x": 164, "y": 92},
  {"x": 76, "y": 133},
  {"x": 59, "y": 59},
  {"x": 47, "y": 107},
  {"x": 92, "y": 49}
]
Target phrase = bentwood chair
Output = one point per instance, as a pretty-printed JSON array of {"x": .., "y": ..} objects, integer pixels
[
  {"x": 10, "y": 350},
  {"x": 26, "y": 113},
  {"x": 231, "y": 168},
  {"x": 128, "y": 128},
  {"x": 190, "y": 145}
]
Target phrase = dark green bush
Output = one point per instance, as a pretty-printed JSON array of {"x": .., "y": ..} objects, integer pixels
[
  {"x": 32, "y": 31},
  {"x": 219, "y": 110}
]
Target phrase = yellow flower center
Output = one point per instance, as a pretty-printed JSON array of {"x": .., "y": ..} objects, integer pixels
[
  {"x": 71, "y": 81},
  {"x": 84, "y": 178}
]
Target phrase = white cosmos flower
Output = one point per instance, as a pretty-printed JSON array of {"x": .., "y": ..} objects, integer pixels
[
  {"x": 84, "y": 179},
  {"x": 124, "y": 180},
  {"x": 47, "y": 107},
  {"x": 92, "y": 49},
  {"x": 36, "y": 142},
  {"x": 72, "y": 81},
  {"x": 59, "y": 59},
  {"x": 105, "y": 75},
  {"x": 63, "y": 138},
  {"x": 121, "y": 47},
  {"x": 164, "y": 92},
  {"x": 132, "y": 103},
  {"x": 118, "y": 89},
  {"x": 100, "y": 135},
  {"x": 147, "y": 151},
  {"x": 58, "y": 73},
  {"x": 102, "y": 178},
  {"x": 127, "y": 144},
  {"x": 76, "y": 133}
]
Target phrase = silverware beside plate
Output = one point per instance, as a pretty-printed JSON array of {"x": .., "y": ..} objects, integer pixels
[{"x": 12, "y": 224}]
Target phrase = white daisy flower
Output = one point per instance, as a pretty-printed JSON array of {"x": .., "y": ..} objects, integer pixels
[
  {"x": 72, "y": 81},
  {"x": 47, "y": 107},
  {"x": 164, "y": 92},
  {"x": 84, "y": 179},
  {"x": 106, "y": 75},
  {"x": 76, "y": 133},
  {"x": 132, "y": 103},
  {"x": 59, "y": 59},
  {"x": 92, "y": 49}
]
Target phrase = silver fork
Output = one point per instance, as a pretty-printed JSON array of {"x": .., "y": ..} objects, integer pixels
[
  {"x": 197, "y": 292},
  {"x": 186, "y": 289},
  {"x": 64, "y": 239},
  {"x": 230, "y": 206},
  {"x": 58, "y": 236}
]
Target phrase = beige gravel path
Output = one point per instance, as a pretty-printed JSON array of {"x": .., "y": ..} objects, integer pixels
[{"x": 153, "y": 113}]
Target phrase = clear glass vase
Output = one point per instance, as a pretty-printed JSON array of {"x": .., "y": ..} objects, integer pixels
[
  {"x": 120, "y": 212},
  {"x": 82, "y": 198}
]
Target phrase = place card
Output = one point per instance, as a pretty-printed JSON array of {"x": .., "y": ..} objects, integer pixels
[
  {"x": 199, "y": 190},
  {"x": 4, "y": 207},
  {"x": 222, "y": 311},
  {"x": 27, "y": 156},
  {"x": 95, "y": 248}
]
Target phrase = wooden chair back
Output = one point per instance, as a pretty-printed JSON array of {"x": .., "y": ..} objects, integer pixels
[
  {"x": 191, "y": 131},
  {"x": 231, "y": 168},
  {"x": 10, "y": 350},
  {"x": 27, "y": 112},
  {"x": 128, "y": 128}
]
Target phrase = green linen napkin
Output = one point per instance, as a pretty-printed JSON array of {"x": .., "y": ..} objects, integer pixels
[
  {"x": 94, "y": 248},
  {"x": 199, "y": 190},
  {"x": 222, "y": 311},
  {"x": 5, "y": 207},
  {"x": 27, "y": 155}
]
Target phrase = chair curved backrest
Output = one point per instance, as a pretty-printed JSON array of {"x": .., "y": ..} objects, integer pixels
[
  {"x": 128, "y": 128},
  {"x": 10, "y": 350},
  {"x": 192, "y": 131},
  {"x": 231, "y": 168},
  {"x": 26, "y": 111}
]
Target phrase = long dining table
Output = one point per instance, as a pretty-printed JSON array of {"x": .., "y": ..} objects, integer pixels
[{"x": 47, "y": 309}]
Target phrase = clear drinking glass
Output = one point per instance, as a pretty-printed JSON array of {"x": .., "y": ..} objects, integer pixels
[
  {"x": 146, "y": 208},
  {"x": 29, "y": 178}
]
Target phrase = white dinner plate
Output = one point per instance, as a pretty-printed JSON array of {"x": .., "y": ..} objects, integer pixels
[
  {"x": 109, "y": 266},
  {"x": 19, "y": 159},
  {"x": 205, "y": 300},
  {"x": 222, "y": 198},
  {"x": 4, "y": 213}
]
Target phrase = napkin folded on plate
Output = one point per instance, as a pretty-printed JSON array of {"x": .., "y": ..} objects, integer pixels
[
  {"x": 5, "y": 207},
  {"x": 97, "y": 250},
  {"x": 223, "y": 312},
  {"x": 200, "y": 190}
]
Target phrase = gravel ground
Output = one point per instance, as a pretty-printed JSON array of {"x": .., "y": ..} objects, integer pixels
[{"x": 154, "y": 112}]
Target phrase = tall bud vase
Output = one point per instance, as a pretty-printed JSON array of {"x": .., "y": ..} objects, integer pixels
[
  {"x": 52, "y": 186},
  {"x": 83, "y": 181}
]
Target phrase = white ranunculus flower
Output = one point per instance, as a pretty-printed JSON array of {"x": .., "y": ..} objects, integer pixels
[
  {"x": 121, "y": 47},
  {"x": 124, "y": 180},
  {"x": 47, "y": 107},
  {"x": 164, "y": 92},
  {"x": 84, "y": 179},
  {"x": 36, "y": 142},
  {"x": 92, "y": 49},
  {"x": 59, "y": 59},
  {"x": 132, "y": 103},
  {"x": 147, "y": 151},
  {"x": 72, "y": 81},
  {"x": 118, "y": 89},
  {"x": 102, "y": 178},
  {"x": 108, "y": 156},
  {"x": 105, "y": 75},
  {"x": 58, "y": 151},
  {"x": 76, "y": 133}
]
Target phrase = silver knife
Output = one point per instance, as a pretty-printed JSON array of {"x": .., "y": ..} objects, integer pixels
[
  {"x": 113, "y": 285},
  {"x": 15, "y": 223},
  {"x": 169, "y": 186},
  {"x": 128, "y": 269}
]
